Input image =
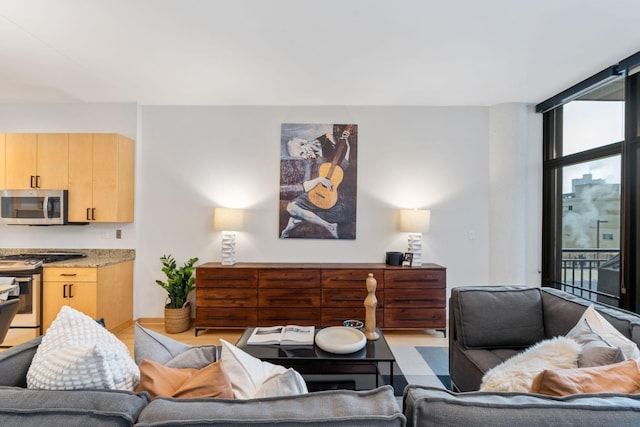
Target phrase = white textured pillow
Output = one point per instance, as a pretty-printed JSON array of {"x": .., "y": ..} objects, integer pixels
[
  {"x": 78, "y": 353},
  {"x": 610, "y": 334},
  {"x": 248, "y": 374},
  {"x": 517, "y": 373}
]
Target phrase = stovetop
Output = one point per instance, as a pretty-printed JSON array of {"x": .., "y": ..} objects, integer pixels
[{"x": 34, "y": 260}]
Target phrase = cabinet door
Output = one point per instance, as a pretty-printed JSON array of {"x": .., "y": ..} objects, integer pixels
[
  {"x": 83, "y": 296},
  {"x": 2, "y": 161},
  {"x": 21, "y": 150},
  {"x": 113, "y": 181},
  {"x": 114, "y": 301},
  {"x": 80, "y": 177},
  {"x": 54, "y": 296},
  {"x": 52, "y": 161}
]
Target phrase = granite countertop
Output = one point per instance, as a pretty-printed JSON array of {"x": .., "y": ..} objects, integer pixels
[{"x": 94, "y": 258}]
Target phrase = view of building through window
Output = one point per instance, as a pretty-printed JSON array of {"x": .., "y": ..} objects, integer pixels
[{"x": 591, "y": 200}]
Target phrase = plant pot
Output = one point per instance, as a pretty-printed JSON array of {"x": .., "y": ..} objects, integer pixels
[{"x": 176, "y": 320}]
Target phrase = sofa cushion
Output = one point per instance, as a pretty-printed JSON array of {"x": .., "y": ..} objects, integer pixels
[
  {"x": 370, "y": 408},
  {"x": 159, "y": 380},
  {"x": 608, "y": 332},
  {"x": 151, "y": 345},
  {"x": 78, "y": 353},
  {"x": 15, "y": 362},
  {"x": 24, "y": 407},
  {"x": 596, "y": 351},
  {"x": 249, "y": 374},
  {"x": 623, "y": 377},
  {"x": 498, "y": 316},
  {"x": 426, "y": 406},
  {"x": 517, "y": 373}
]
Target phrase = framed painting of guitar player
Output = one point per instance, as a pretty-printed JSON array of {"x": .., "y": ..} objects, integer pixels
[{"x": 318, "y": 181}]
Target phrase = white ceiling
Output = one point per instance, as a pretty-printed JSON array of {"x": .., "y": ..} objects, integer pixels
[{"x": 308, "y": 52}]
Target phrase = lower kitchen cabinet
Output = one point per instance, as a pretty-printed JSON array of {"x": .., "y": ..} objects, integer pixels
[{"x": 99, "y": 292}]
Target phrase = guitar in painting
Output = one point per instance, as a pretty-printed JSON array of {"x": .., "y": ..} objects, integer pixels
[{"x": 320, "y": 195}]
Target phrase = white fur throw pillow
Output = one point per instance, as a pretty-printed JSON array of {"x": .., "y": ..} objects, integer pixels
[
  {"x": 78, "y": 353},
  {"x": 517, "y": 372}
]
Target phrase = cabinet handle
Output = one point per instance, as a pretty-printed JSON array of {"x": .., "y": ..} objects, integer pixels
[
  {"x": 88, "y": 218},
  {"x": 64, "y": 290},
  {"x": 32, "y": 184},
  {"x": 70, "y": 289},
  {"x": 37, "y": 181},
  {"x": 93, "y": 214},
  {"x": 68, "y": 274}
]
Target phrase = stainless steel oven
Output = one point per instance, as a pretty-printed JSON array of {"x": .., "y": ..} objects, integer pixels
[{"x": 27, "y": 323}]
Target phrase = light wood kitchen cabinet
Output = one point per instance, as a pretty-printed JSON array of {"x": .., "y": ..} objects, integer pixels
[
  {"x": 36, "y": 161},
  {"x": 101, "y": 178},
  {"x": 2, "y": 157},
  {"x": 105, "y": 291}
]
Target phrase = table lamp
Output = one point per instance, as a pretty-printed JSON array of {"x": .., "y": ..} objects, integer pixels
[
  {"x": 415, "y": 222},
  {"x": 228, "y": 221}
]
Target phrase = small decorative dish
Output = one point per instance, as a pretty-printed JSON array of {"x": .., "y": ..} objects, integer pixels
[
  {"x": 340, "y": 339},
  {"x": 352, "y": 323}
]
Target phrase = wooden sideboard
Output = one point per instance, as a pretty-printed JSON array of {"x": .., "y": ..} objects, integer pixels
[{"x": 267, "y": 294}]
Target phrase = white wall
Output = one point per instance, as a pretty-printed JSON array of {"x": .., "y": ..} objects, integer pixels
[
  {"x": 192, "y": 159},
  {"x": 197, "y": 158},
  {"x": 76, "y": 117},
  {"x": 515, "y": 170}
]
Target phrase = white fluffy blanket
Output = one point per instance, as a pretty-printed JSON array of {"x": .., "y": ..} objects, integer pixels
[{"x": 517, "y": 372}]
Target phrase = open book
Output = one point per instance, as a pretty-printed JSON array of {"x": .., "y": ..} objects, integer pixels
[{"x": 283, "y": 335}]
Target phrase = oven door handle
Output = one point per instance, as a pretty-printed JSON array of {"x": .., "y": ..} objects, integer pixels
[{"x": 24, "y": 279}]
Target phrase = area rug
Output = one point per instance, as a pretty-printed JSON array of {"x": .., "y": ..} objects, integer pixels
[{"x": 418, "y": 365}]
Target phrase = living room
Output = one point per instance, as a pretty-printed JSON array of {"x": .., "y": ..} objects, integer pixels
[{"x": 443, "y": 95}]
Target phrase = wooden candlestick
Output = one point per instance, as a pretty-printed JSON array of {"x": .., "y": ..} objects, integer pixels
[{"x": 370, "y": 304}]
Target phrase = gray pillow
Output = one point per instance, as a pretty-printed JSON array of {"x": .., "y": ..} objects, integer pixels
[
  {"x": 153, "y": 346},
  {"x": 596, "y": 351}
]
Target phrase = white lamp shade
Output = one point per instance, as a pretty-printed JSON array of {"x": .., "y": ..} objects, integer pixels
[
  {"x": 227, "y": 219},
  {"x": 415, "y": 220}
]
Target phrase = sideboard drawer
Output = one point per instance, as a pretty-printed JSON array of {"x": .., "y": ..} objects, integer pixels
[
  {"x": 353, "y": 279},
  {"x": 227, "y": 297},
  {"x": 396, "y": 298},
  {"x": 289, "y": 278},
  {"x": 226, "y": 278},
  {"x": 416, "y": 278},
  {"x": 289, "y": 298},
  {"x": 415, "y": 318},
  {"x": 226, "y": 317}
]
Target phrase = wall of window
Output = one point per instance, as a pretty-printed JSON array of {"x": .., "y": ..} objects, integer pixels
[{"x": 591, "y": 159}]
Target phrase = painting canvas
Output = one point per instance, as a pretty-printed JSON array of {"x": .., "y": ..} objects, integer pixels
[{"x": 318, "y": 181}]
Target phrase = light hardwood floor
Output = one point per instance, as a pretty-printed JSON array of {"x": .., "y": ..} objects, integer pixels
[{"x": 212, "y": 336}]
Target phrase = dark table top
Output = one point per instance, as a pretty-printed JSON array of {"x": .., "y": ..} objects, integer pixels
[{"x": 373, "y": 351}]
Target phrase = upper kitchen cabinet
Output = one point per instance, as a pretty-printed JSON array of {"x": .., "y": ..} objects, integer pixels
[
  {"x": 101, "y": 178},
  {"x": 36, "y": 161},
  {"x": 2, "y": 150}
]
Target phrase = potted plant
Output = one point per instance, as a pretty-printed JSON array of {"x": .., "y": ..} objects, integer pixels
[{"x": 180, "y": 282}]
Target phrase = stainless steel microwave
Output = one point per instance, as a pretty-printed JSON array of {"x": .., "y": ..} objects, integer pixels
[{"x": 33, "y": 207}]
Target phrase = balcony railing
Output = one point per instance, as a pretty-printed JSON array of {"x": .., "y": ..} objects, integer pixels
[{"x": 593, "y": 274}]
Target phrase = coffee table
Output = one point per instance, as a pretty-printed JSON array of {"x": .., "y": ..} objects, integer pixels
[{"x": 319, "y": 367}]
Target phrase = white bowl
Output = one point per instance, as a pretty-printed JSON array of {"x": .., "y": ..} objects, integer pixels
[{"x": 340, "y": 339}]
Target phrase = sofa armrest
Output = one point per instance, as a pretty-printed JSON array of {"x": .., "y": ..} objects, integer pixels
[
  {"x": 15, "y": 362},
  {"x": 425, "y": 406}
]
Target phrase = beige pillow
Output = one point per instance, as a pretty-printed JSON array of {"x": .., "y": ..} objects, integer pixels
[
  {"x": 248, "y": 374},
  {"x": 160, "y": 380},
  {"x": 596, "y": 351},
  {"x": 609, "y": 333},
  {"x": 623, "y": 377}
]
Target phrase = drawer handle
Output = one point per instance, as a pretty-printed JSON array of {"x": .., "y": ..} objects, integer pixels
[{"x": 68, "y": 274}]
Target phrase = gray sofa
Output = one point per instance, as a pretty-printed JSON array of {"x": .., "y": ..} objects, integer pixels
[
  {"x": 20, "y": 406},
  {"x": 487, "y": 325}
]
